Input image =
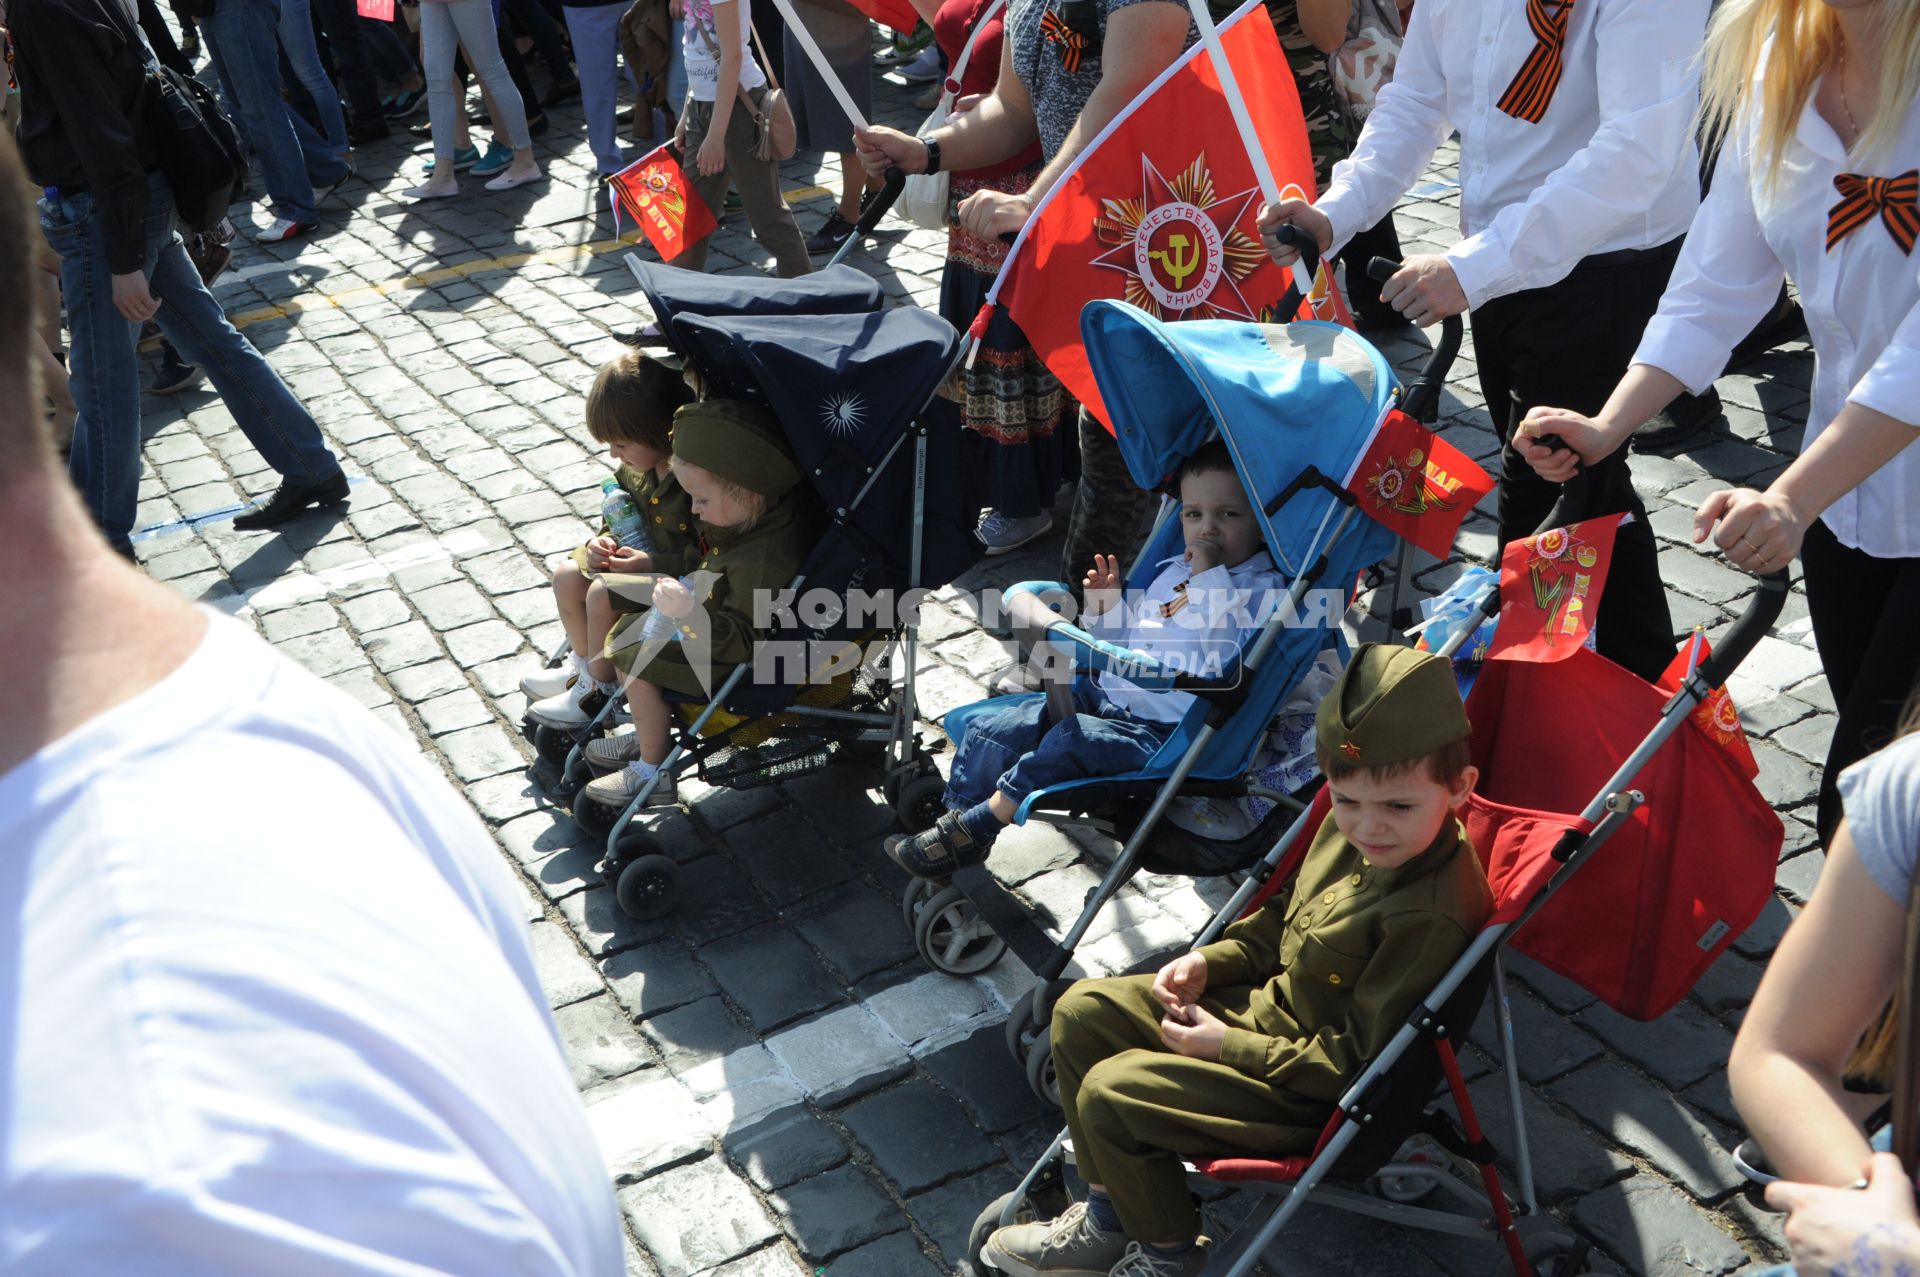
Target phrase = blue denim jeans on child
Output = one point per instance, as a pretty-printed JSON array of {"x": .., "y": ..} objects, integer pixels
[
  {"x": 1017, "y": 749},
  {"x": 243, "y": 38},
  {"x": 303, "y": 59},
  {"x": 104, "y": 365}
]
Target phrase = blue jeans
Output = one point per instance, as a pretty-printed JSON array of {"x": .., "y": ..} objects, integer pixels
[
  {"x": 1017, "y": 749},
  {"x": 243, "y": 38},
  {"x": 596, "y": 59},
  {"x": 303, "y": 57},
  {"x": 104, "y": 365},
  {"x": 391, "y": 61}
]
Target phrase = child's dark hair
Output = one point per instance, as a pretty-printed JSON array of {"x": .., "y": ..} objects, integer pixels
[
  {"x": 632, "y": 401},
  {"x": 1206, "y": 459},
  {"x": 1444, "y": 765}
]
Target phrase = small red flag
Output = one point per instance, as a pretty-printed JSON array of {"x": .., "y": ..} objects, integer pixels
[
  {"x": 378, "y": 10},
  {"x": 897, "y": 14},
  {"x": 1158, "y": 211},
  {"x": 654, "y": 192},
  {"x": 1416, "y": 483},
  {"x": 1715, "y": 717},
  {"x": 1550, "y": 586}
]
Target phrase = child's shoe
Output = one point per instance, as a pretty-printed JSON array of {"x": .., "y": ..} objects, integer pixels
[
  {"x": 616, "y": 789},
  {"x": 545, "y": 683},
  {"x": 571, "y": 709},
  {"x": 1069, "y": 1246},
  {"x": 611, "y": 753},
  {"x": 1138, "y": 1263},
  {"x": 938, "y": 853}
]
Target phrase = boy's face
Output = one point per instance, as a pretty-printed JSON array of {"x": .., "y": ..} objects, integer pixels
[
  {"x": 712, "y": 504},
  {"x": 637, "y": 455},
  {"x": 1393, "y": 821},
  {"x": 1215, "y": 511}
]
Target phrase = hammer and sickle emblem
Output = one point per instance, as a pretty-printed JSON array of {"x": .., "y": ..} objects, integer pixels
[{"x": 1177, "y": 264}]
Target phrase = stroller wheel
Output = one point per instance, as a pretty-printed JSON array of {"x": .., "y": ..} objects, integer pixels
[
  {"x": 989, "y": 1220},
  {"x": 633, "y": 844},
  {"x": 552, "y": 744},
  {"x": 1408, "y": 1189},
  {"x": 1038, "y": 1058},
  {"x": 1020, "y": 1028},
  {"x": 918, "y": 804},
  {"x": 648, "y": 888},
  {"x": 1551, "y": 1251},
  {"x": 916, "y": 895},
  {"x": 595, "y": 821},
  {"x": 952, "y": 936}
]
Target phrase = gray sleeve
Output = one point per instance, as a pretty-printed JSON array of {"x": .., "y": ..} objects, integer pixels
[{"x": 1881, "y": 797}]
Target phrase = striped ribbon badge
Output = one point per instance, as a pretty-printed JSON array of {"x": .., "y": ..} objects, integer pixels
[
  {"x": 1532, "y": 89},
  {"x": 1895, "y": 199}
]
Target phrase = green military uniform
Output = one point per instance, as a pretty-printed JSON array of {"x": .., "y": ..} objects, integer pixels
[
  {"x": 1311, "y": 987},
  {"x": 742, "y": 444},
  {"x": 668, "y": 512},
  {"x": 1330, "y": 131}
]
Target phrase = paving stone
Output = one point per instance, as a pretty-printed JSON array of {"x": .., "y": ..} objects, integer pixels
[
  {"x": 1798, "y": 875},
  {"x": 785, "y": 1148},
  {"x": 696, "y": 1217},
  {"x": 531, "y": 839},
  {"x": 695, "y": 1033},
  {"x": 324, "y": 654},
  {"x": 453, "y": 605},
  {"x": 501, "y": 798},
  {"x": 565, "y": 973},
  {"x": 655, "y": 978},
  {"x": 859, "y": 931},
  {"x": 919, "y": 1136},
  {"x": 1567, "y": 1159},
  {"x": 1547, "y": 1043},
  {"x": 1656, "y": 1231},
  {"x": 1728, "y": 985},
  {"x": 1679, "y": 1048},
  {"x": 1759, "y": 940},
  {"x": 489, "y": 640},
  {"x": 774, "y": 1261},
  {"x": 600, "y": 1041},
  {"x": 926, "y": 1009},
  {"x": 993, "y": 1087},
  {"x": 423, "y": 682},
  {"x": 947, "y": 1214},
  {"x": 399, "y": 646},
  {"x": 895, "y": 1255},
  {"x": 476, "y": 753},
  {"x": 787, "y": 858},
  {"x": 452, "y": 712},
  {"x": 603, "y": 928},
  {"x": 375, "y": 611},
  {"x": 1651, "y": 1122},
  {"x": 841, "y": 1055},
  {"x": 831, "y": 1213},
  {"x": 771, "y": 974}
]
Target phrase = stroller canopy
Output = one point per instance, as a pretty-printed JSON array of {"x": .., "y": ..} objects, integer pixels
[{"x": 670, "y": 292}]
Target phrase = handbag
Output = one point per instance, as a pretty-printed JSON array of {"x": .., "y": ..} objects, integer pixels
[
  {"x": 775, "y": 136},
  {"x": 196, "y": 147},
  {"x": 923, "y": 200},
  {"x": 1363, "y": 64}
]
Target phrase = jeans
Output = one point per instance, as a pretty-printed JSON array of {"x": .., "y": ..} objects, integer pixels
[
  {"x": 596, "y": 54},
  {"x": 468, "y": 23},
  {"x": 391, "y": 61},
  {"x": 104, "y": 365},
  {"x": 351, "y": 58},
  {"x": 303, "y": 56},
  {"x": 243, "y": 37},
  {"x": 1018, "y": 748}
]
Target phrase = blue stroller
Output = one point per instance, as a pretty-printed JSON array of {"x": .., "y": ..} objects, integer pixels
[{"x": 1296, "y": 405}]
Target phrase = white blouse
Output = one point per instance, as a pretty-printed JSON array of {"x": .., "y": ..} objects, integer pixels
[
  {"x": 1862, "y": 302},
  {"x": 1611, "y": 164}
]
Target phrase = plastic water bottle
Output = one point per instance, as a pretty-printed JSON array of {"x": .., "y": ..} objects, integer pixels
[
  {"x": 624, "y": 522},
  {"x": 659, "y": 625}
]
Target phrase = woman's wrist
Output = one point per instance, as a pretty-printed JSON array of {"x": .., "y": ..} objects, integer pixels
[{"x": 930, "y": 154}]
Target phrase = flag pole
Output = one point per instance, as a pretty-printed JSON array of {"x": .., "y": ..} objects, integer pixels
[
  {"x": 820, "y": 63},
  {"x": 1242, "y": 119}
]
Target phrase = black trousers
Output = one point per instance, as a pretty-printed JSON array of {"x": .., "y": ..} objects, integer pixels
[
  {"x": 1865, "y": 613},
  {"x": 1566, "y": 346},
  {"x": 339, "y": 22}
]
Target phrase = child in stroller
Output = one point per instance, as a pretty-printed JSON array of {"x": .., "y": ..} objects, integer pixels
[
  {"x": 740, "y": 475},
  {"x": 1198, "y": 609},
  {"x": 1250, "y": 1041},
  {"x": 630, "y": 409}
]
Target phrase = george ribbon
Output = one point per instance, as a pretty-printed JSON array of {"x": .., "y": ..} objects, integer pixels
[
  {"x": 1532, "y": 89},
  {"x": 1073, "y": 45},
  {"x": 1895, "y": 199}
]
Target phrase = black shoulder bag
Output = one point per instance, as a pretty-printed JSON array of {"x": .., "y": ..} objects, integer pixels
[{"x": 193, "y": 140}]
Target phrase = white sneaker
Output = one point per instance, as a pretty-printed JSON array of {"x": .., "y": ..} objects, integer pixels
[
  {"x": 281, "y": 231},
  {"x": 551, "y": 682},
  {"x": 616, "y": 789},
  {"x": 923, "y": 68},
  {"x": 1002, "y": 533},
  {"x": 567, "y": 710}
]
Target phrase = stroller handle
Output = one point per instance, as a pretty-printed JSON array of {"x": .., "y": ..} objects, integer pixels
[
  {"x": 881, "y": 203},
  {"x": 1422, "y": 400},
  {"x": 1762, "y": 610}
]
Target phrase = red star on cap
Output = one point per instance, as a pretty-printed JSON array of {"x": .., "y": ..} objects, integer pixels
[{"x": 1351, "y": 750}]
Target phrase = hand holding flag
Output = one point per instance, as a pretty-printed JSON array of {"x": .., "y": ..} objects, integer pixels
[{"x": 654, "y": 192}]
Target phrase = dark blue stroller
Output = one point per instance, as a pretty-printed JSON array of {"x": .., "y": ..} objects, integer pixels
[{"x": 1296, "y": 405}]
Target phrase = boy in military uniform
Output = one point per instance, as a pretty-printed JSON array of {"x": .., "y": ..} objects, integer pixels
[{"x": 1247, "y": 1043}]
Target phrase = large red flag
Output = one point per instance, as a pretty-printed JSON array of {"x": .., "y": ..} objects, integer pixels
[
  {"x": 1159, "y": 210},
  {"x": 897, "y": 14},
  {"x": 1716, "y": 717},
  {"x": 654, "y": 192},
  {"x": 1550, "y": 586},
  {"x": 1413, "y": 481}
]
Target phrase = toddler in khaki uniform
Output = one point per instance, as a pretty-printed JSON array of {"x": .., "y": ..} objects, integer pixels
[{"x": 1246, "y": 1044}]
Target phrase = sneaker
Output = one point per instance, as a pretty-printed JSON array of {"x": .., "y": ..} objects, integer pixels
[
  {"x": 611, "y": 753},
  {"x": 1751, "y": 1161},
  {"x": 404, "y": 103},
  {"x": 1070, "y": 1246},
  {"x": 732, "y": 203},
  {"x": 616, "y": 789},
  {"x": 462, "y": 160},
  {"x": 904, "y": 47},
  {"x": 930, "y": 96},
  {"x": 175, "y": 374},
  {"x": 1004, "y": 533},
  {"x": 569, "y": 710},
  {"x": 283, "y": 230},
  {"x": 320, "y": 193},
  {"x": 924, "y": 67},
  {"x": 937, "y": 854},
  {"x": 549, "y": 682},
  {"x": 292, "y": 500},
  {"x": 832, "y": 233},
  {"x": 494, "y": 161},
  {"x": 1138, "y": 1263}
]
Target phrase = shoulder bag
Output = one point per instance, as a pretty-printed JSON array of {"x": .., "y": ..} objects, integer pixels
[{"x": 923, "y": 200}]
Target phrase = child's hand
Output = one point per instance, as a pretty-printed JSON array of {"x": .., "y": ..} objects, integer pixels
[
  {"x": 1181, "y": 982},
  {"x": 1202, "y": 555},
  {"x": 600, "y": 553},
  {"x": 1102, "y": 584},
  {"x": 713, "y": 154},
  {"x": 1193, "y": 1032},
  {"x": 624, "y": 559},
  {"x": 673, "y": 598}
]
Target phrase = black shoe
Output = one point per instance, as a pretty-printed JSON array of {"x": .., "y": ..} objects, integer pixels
[
  {"x": 291, "y": 501},
  {"x": 538, "y": 125},
  {"x": 175, "y": 374},
  {"x": 565, "y": 91},
  {"x": 369, "y": 133},
  {"x": 831, "y": 235}
]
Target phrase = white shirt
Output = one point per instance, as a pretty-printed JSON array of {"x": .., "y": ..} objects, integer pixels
[
  {"x": 700, "y": 41},
  {"x": 1205, "y": 637},
  {"x": 268, "y": 1004},
  {"x": 1610, "y": 166},
  {"x": 1862, "y": 303}
]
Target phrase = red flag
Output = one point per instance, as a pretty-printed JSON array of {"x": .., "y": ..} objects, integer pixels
[
  {"x": 1715, "y": 717},
  {"x": 378, "y": 10},
  {"x": 655, "y": 193},
  {"x": 1159, "y": 209},
  {"x": 1550, "y": 585},
  {"x": 1416, "y": 483},
  {"x": 897, "y": 14}
]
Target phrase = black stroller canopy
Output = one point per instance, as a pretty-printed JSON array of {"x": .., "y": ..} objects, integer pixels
[{"x": 672, "y": 292}]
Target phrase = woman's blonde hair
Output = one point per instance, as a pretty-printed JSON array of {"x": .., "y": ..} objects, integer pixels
[
  {"x": 1871, "y": 1064},
  {"x": 1806, "y": 40},
  {"x": 754, "y": 503}
]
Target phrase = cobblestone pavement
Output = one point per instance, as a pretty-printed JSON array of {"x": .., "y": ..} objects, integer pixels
[{"x": 779, "y": 1085}]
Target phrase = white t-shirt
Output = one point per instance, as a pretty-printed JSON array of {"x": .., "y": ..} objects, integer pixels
[
  {"x": 699, "y": 38},
  {"x": 268, "y": 1004}
]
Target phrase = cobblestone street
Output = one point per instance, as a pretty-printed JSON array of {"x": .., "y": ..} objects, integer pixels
[{"x": 779, "y": 1084}]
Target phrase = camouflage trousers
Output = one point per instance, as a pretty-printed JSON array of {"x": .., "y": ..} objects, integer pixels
[{"x": 1111, "y": 514}]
